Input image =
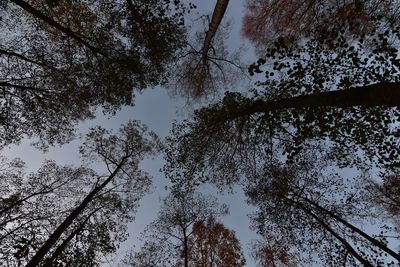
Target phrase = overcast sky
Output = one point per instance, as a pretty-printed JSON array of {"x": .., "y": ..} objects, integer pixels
[{"x": 156, "y": 109}]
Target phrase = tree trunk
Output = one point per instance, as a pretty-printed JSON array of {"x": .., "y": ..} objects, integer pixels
[
  {"x": 185, "y": 249},
  {"x": 43, "y": 17},
  {"x": 380, "y": 94},
  {"x": 218, "y": 14},
  {"x": 53, "y": 238},
  {"x": 356, "y": 230},
  {"x": 346, "y": 244},
  {"x": 64, "y": 244}
]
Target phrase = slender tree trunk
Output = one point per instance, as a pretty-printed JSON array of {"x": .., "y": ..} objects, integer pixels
[
  {"x": 346, "y": 244},
  {"x": 380, "y": 94},
  {"x": 218, "y": 14},
  {"x": 53, "y": 238},
  {"x": 356, "y": 230},
  {"x": 43, "y": 17},
  {"x": 185, "y": 249},
  {"x": 61, "y": 248}
]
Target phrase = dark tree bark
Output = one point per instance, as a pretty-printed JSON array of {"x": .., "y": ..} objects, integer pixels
[
  {"x": 380, "y": 94},
  {"x": 64, "y": 244},
  {"x": 41, "y": 16},
  {"x": 355, "y": 229},
  {"x": 218, "y": 14},
  {"x": 53, "y": 238},
  {"x": 185, "y": 248}
]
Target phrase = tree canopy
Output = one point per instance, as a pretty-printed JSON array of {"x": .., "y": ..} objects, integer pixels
[
  {"x": 314, "y": 143},
  {"x": 186, "y": 233},
  {"x": 211, "y": 244},
  {"x": 88, "y": 54},
  {"x": 266, "y": 21},
  {"x": 342, "y": 92},
  {"x": 74, "y": 215},
  {"x": 331, "y": 92}
]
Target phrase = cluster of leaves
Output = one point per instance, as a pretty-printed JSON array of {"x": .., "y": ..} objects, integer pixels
[
  {"x": 187, "y": 234},
  {"x": 266, "y": 21},
  {"x": 88, "y": 54},
  {"x": 73, "y": 215},
  {"x": 272, "y": 251},
  {"x": 211, "y": 244}
]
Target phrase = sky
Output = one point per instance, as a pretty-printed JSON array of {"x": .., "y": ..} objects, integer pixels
[{"x": 155, "y": 108}]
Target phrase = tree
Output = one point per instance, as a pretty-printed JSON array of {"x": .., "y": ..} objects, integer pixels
[
  {"x": 66, "y": 215},
  {"x": 151, "y": 254},
  {"x": 271, "y": 252},
  {"x": 174, "y": 224},
  {"x": 206, "y": 66},
  {"x": 33, "y": 203},
  {"x": 86, "y": 53},
  {"x": 383, "y": 197},
  {"x": 315, "y": 210},
  {"x": 341, "y": 92},
  {"x": 212, "y": 244},
  {"x": 266, "y": 21},
  {"x": 36, "y": 203}
]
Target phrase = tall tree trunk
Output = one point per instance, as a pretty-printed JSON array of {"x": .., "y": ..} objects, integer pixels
[
  {"x": 380, "y": 94},
  {"x": 218, "y": 14},
  {"x": 53, "y": 238},
  {"x": 43, "y": 17},
  {"x": 355, "y": 229},
  {"x": 61, "y": 248},
  {"x": 185, "y": 248},
  {"x": 344, "y": 242}
]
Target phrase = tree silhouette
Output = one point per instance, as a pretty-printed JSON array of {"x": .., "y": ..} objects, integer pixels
[
  {"x": 67, "y": 215},
  {"x": 316, "y": 209},
  {"x": 266, "y": 21},
  {"x": 173, "y": 227},
  {"x": 151, "y": 254},
  {"x": 88, "y": 54}
]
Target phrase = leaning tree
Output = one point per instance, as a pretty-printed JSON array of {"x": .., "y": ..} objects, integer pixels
[{"x": 74, "y": 215}]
